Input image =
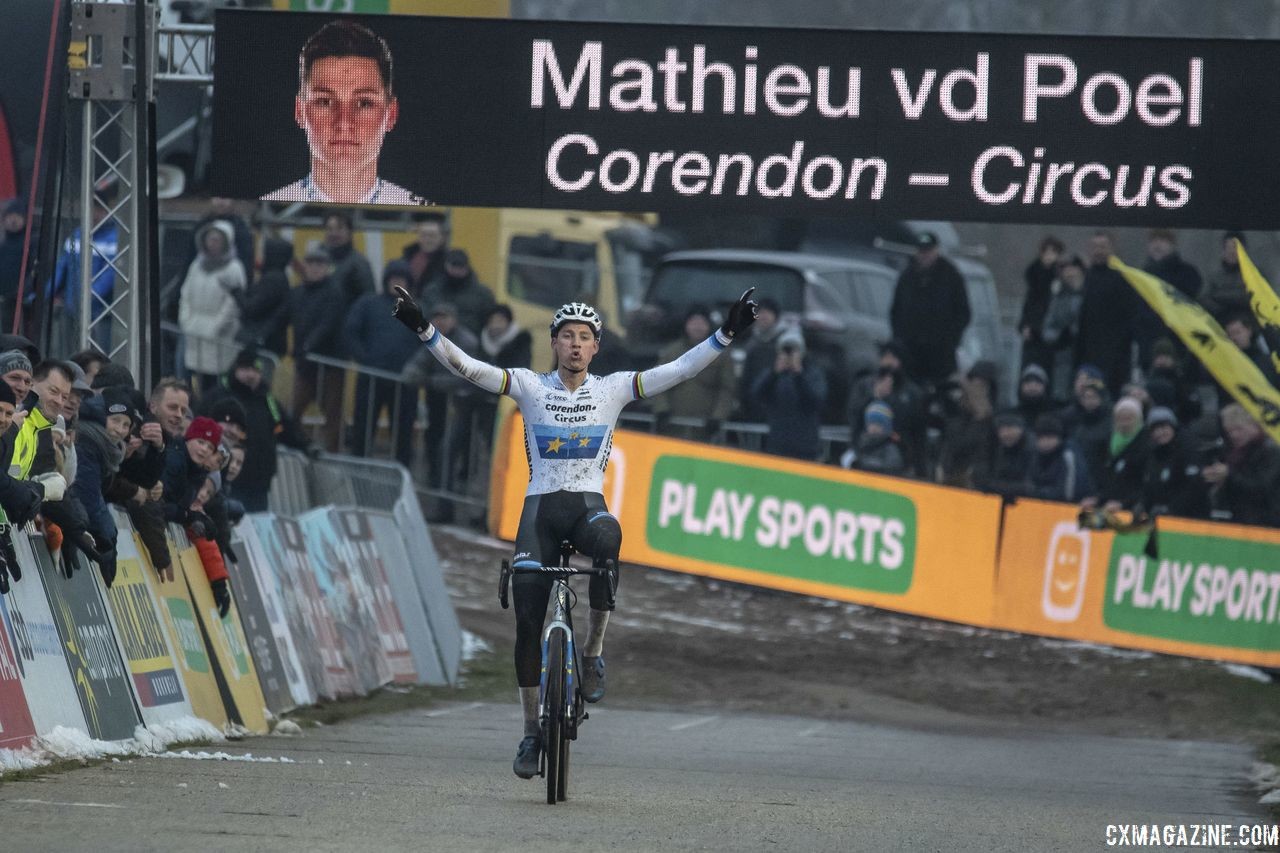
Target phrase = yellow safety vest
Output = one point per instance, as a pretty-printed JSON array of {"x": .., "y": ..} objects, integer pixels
[{"x": 24, "y": 444}]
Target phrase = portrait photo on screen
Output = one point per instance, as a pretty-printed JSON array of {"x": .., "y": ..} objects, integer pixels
[{"x": 344, "y": 108}]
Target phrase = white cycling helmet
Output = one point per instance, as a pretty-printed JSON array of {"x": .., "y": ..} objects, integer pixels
[{"x": 577, "y": 312}]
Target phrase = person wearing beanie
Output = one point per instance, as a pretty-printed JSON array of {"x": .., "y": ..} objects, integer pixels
[
  {"x": 1171, "y": 482},
  {"x": 1033, "y": 393},
  {"x": 185, "y": 470},
  {"x": 890, "y": 384},
  {"x": 106, "y": 422},
  {"x": 267, "y": 425},
  {"x": 1121, "y": 484},
  {"x": 112, "y": 374},
  {"x": 16, "y": 371},
  {"x": 460, "y": 287},
  {"x": 374, "y": 338},
  {"x": 1057, "y": 471},
  {"x": 876, "y": 449},
  {"x": 709, "y": 396},
  {"x": 1169, "y": 385},
  {"x": 1009, "y": 470}
]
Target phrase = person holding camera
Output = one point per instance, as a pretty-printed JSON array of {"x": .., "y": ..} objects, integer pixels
[{"x": 791, "y": 394}]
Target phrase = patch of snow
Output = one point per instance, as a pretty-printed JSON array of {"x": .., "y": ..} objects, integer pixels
[
  {"x": 287, "y": 728},
  {"x": 728, "y": 627},
  {"x": 1270, "y": 799},
  {"x": 64, "y": 743},
  {"x": 1250, "y": 672},
  {"x": 1264, "y": 776},
  {"x": 235, "y": 731},
  {"x": 1096, "y": 648},
  {"x": 224, "y": 786},
  {"x": 225, "y": 756},
  {"x": 472, "y": 646}
]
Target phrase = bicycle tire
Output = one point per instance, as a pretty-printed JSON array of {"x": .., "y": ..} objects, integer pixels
[
  {"x": 554, "y": 737},
  {"x": 562, "y": 775}
]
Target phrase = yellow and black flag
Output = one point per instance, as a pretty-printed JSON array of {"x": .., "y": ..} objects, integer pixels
[
  {"x": 1206, "y": 339},
  {"x": 1264, "y": 302}
]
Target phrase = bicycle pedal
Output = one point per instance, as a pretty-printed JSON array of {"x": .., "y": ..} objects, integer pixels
[{"x": 586, "y": 715}]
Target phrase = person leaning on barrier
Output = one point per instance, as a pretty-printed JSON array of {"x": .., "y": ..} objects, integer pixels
[
  {"x": 186, "y": 467},
  {"x": 267, "y": 425},
  {"x": 211, "y": 554},
  {"x": 106, "y": 424},
  {"x": 1244, "y": 483},
  {"x": 20, "y": 499},
  {"x": 144, "y": 466}
]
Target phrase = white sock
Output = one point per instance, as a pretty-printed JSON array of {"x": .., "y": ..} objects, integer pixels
[
  {"x": 529, "y": 704},
  {"x": 597, "y": 621}
]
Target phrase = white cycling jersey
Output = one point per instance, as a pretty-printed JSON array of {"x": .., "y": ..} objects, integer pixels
[{"x": 568, "y": 434}]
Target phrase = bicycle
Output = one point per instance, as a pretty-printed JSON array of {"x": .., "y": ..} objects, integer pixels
[{"x": 561, "y": 708}]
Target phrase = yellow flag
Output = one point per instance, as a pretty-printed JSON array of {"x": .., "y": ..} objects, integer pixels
[
  {"x": 1206, "y": 339},
  {"x": 1264, "y": 302}
]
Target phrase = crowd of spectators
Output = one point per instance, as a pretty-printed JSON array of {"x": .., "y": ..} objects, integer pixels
[{"x": 1108, "y": 408}]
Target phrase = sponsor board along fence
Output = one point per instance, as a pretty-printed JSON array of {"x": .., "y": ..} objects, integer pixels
[{"x": 1211, "y": 591}]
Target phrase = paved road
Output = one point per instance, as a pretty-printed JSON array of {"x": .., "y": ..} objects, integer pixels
[{"x": 440, "y": 779}]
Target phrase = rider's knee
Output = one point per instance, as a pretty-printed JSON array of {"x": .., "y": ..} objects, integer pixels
[{"x": 606, "y": 537}]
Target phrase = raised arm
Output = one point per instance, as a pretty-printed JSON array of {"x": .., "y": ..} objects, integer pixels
[
  {"x": 485, "y": 376},
  {"x": 655, "y": 380}
]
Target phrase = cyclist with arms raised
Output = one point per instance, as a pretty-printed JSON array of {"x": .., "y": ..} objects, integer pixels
[{"x": 569, "y": 417}]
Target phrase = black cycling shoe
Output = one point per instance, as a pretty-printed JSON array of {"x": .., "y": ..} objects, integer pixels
[
  {"x": 527, "y": 754},
  {"x": 593, "y": 678}
]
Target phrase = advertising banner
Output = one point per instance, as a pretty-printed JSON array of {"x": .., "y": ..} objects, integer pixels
[
  {"x": 442, "y": 619},
  {"x": 16, "y": 726},
  {"x": 230, "y": 648},
  {"x": 257, "y": 630},
  {"x": 320, "y": 646},
  {"x": 593, "y": 116},
  {"x": 1211, "y": 590},
  {"x": 101, "y": 680},
  {"x": 33, "y": 636},
  {"x": 178, "y": 615},
  {"x": 390, "y": 546},
  {"x": 255, "y": 562},
  {"x": 142, "y": 639},
  {"x": 360, "y": 554},
  {"x": 350, "y": 599},
  {"x": 807, "y": 528}
]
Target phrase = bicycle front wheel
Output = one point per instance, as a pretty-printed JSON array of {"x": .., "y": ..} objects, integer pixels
[{"x": 553, "y": 738}]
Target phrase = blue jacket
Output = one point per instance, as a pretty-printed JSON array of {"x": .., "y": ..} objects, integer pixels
[
  {"x": 375, "y": 338},
  {"x": 792, "y": 405},
  {"x": 66, "y": 275}
]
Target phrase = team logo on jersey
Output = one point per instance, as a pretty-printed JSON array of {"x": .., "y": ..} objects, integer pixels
[{"x": 562, "y": 442}]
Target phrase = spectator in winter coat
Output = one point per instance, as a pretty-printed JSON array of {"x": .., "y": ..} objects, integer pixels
[
  {"x": 1244, "y": 487},
  {"x": 105, "y": 426},
  {"x": 376, "y": 339},
  {"x": 1061, "y": 325},
  {"x": 1121, "y": 484},
  {"x": 969, "y": 435},
  {"x": 460, "y": 288},
  {"x": 209, "y": 306},
  {"x": 708, "y": 396},
  {"x": 791, "y": 393},
  {"x": 20, "y": 499},
  {"x": 224, "y": 210},
  {"x": 891, "y": 385},
  {"x": 316, "y": 311},
  {"x": 267, "y": 425},
  {"x": 1087, "y": 419},
  {"x": 264, "y": 310},
  {"x": 441, "y": 385},
  {"x": 876, "y": 447},
  {"x": 425, "y": 256},
  {"x": 1163, "y": 262},
  {"x": 1057, "y": 472},
  {"x": 186, "y": 467},
  {"x": 1041, "y": 275},
  {"x": 761, "y": 350},
  {"x": 1243, "y": 331},
  {"x": 1171, "y": 483},
  {"x": 1105, "y": 329},
  {"x": 1168, "y": 386},
  {"x": 930, "y": 312},
  {"x": 1224, "y": 291},
  {"x": 1009, "y": 472},
  {"x": 503, "y": 344},
  {"x": 1033, "y": 393},
  {"x": 351, "y": 271}
]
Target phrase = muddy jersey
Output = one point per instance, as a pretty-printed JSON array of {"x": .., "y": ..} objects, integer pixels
[{"x": 568, "y": 434}]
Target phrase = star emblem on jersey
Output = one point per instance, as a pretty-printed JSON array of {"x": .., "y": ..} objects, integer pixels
[{"x": 557, "y": 442}]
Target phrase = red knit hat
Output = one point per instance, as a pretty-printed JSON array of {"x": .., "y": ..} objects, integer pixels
[{"x": 206, "y": 428}]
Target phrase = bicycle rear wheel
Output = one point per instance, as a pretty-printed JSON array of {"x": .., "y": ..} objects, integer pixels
[{"x": 553, "y": 740}]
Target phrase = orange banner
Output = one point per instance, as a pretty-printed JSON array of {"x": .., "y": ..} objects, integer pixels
[
  {"x": 1201, "y": 589},
  {"x": 796, "y": 526}
]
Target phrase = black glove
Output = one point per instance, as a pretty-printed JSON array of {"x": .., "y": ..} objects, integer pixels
[
  {"x": 107, "y": 567},
  {"x": 741, "y": 315},
  {"x": 408, "y": 312},
  {"x": 7, "y": 532},
  {"x": 222, "y": 596},
  {"x": 200, "y": 524}
]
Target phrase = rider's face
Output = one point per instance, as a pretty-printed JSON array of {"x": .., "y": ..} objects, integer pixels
[{"x": 575, "y": 345}]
